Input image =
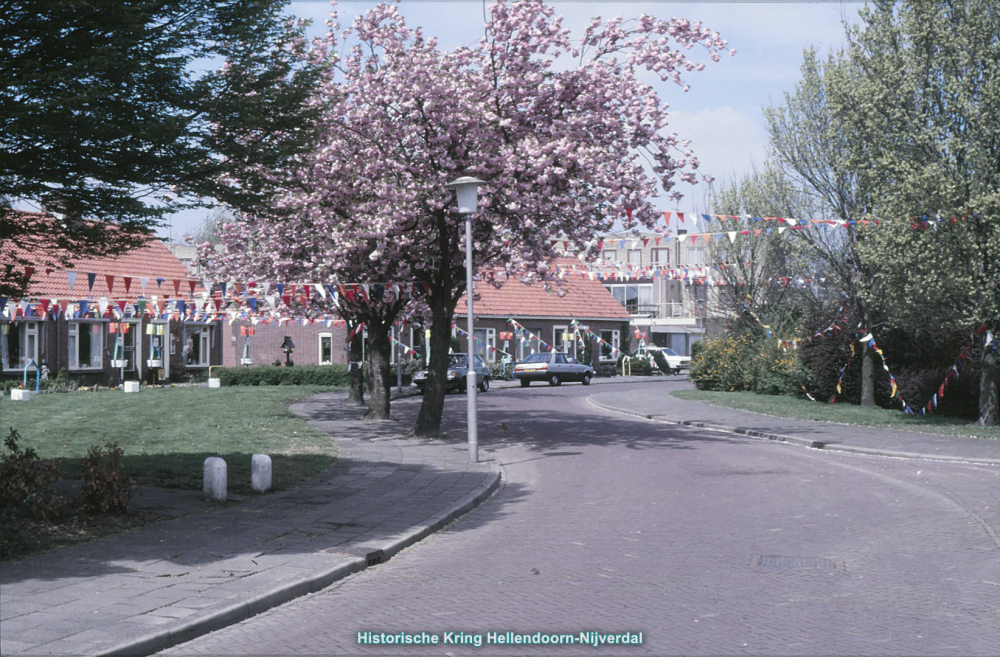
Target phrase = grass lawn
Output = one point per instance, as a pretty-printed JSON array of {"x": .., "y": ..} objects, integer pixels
[
  {"x": 167, "y": 433},
  {"x": 803, "y": 409}
]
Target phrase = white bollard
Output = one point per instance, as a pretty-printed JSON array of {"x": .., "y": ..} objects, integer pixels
[
  {"x": 214, "y": 485},
  {"x": 131, "y": 386},
  {"x": 260, "y": 473}
]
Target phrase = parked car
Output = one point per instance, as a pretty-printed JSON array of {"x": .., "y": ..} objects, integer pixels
[
  {"x": 554, "y": 367},
  {"x": 675, "y": 361},
  {"x": 458, "y": 369}
]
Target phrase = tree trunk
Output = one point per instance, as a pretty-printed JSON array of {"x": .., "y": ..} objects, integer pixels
[
  {"x": 378, "y": 360},
  {"x": 432, "y": 409},
  {"x": 989, "y": 388},
  {"x": 356, "y": 394},
  {"x": 867, "y": 376}
]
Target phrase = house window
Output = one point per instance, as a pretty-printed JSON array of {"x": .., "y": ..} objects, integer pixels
[
  {"x": 19, "y": 344},
  {"x": 661, "y": 256},
  {"x": 562, "y": 339},
  {"x": 125, "y": 342},
  {"x": 609, "y": 346},
  {"x": 485, "y": 344},
  {"x": 326, "y": 349},
  {"x": 609, "y": 254},
  {"x": 86, "y": 345},
  {"x": 529, "y": 343},
  {"x": 635, "y": 257},
  {"x": 696, "y": 255},
  {"x": 157, "y": 332},
  {"x": 197, "y": 346},
  {"x": 636, "y": 298}
]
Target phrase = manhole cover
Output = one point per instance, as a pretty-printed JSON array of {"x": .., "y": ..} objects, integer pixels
[{"x": 814, "y": 563}]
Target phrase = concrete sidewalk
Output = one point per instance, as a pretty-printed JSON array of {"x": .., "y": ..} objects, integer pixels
[
  {"x": 655, "y": 403},
  {"x": 166, "y": 583}
]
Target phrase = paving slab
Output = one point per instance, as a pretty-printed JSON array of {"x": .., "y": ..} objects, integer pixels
[{"x": 172, "y": 581}]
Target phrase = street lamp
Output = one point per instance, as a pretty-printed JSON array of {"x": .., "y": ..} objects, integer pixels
[{"x": 467, "y": 190}]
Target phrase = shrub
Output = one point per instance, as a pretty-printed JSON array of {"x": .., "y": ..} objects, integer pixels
[
  {"x": 723, "y": 363},
  {"x": 27, "y": 483},
  {"x": 106, "y": 486},
  {"x": 320, "y": 375},
  {"x": 661, "y": 362},
  {"x": 636, "y": 366},
  {"x": 773, "y": 371}
]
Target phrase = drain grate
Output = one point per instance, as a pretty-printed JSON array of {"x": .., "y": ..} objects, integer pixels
[{"x": 809, "y": 563}]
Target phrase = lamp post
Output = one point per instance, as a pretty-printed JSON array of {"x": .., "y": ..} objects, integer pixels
[{"x": 467, "y": 190}]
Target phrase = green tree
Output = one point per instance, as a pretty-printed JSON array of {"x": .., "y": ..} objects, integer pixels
[
  {"x": 809, "y": 140},
  {"x": 919, "y": 91},
  {"x": 763, "y": 264},
  {"x": 104, "y": 119}
]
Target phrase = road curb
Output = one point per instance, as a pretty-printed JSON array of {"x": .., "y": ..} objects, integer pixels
[
  {"x": 238, "y": 611},
  {"x": 794, "y": 440}
]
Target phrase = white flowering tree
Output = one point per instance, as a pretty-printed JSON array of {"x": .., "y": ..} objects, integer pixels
[{"x": 567, "y": 134}]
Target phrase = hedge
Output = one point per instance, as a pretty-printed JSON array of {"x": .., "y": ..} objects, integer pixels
[{"x": 267, "y": 375}]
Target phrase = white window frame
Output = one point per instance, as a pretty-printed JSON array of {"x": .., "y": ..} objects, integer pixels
[
  {"x": 73, "y": 344},
  {"x": 534, "y": 339},
  {"x": 697, "y": 255},
  {"x": 616, "y": 342},
  {"x": 638, "y": 257},
  {"x": 28, "y": 336},
  {"x": 204, "y": 334},
  {"x": 559, "y": 343},
  {"x": 609, "y": 254},
  {"x": 660, "y": 256},
  {"x": 164, "y": 345},
  {"x": 489, "y": 347},
  {"x": 319, "y": 344}
]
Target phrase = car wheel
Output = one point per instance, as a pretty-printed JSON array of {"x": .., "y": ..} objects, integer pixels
[
  {"x": 462, "y": 386},
  {"x": 677, "y": 371},
  {"x": 525, "y": 383},
  {"x": 586, "y": 379},
  {"x": 485, "y": 385},
  {"x": 554, "y": 380}
]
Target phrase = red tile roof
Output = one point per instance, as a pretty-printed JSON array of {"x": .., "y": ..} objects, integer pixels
[
  {"x": 152, "y": 261},
  {"x": 584, "y": 298}
]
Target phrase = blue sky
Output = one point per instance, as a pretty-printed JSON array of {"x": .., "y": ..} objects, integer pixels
[{"x": 721, "y": 114}]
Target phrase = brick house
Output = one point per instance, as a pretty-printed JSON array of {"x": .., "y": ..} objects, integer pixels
[
  {"x": 137, "y": 316},
  {"x": 579, "y": 316}
]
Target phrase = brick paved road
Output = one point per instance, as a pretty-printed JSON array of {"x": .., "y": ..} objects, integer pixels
[{"x": 612, "y": 524}]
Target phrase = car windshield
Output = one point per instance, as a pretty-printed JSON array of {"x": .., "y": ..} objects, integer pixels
[
  {"x": 670, "y": 352},
  {"x": 456, "y": 361},
  {"x": 536, "y": 358}
]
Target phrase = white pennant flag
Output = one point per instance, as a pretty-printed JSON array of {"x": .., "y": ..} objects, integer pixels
[
  {"x": 71, "y": 275},
  {"x": 142, "y": 283}
]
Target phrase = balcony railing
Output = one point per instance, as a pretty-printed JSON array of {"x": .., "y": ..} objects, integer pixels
[{"x": 666, "y": 310}]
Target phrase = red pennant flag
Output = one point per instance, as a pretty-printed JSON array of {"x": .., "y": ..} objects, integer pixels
[
  {"x": 128, "y": 282},
  {"x": 44, "y": 303},
  {"x": 666, "y": 217},
  {"x": 177, "y": 288},
  {"x": 680, "y": 215},
  {"x": 111, "y": 282},
  {"x": 122, "y": 304},
  {"x": 287, "y": 299},
  {"x": 192, "y": 285},
  {"x": 28, "y": 271}
]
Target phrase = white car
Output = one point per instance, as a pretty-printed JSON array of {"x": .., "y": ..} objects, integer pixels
[{"x": 675, "y": 361}]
